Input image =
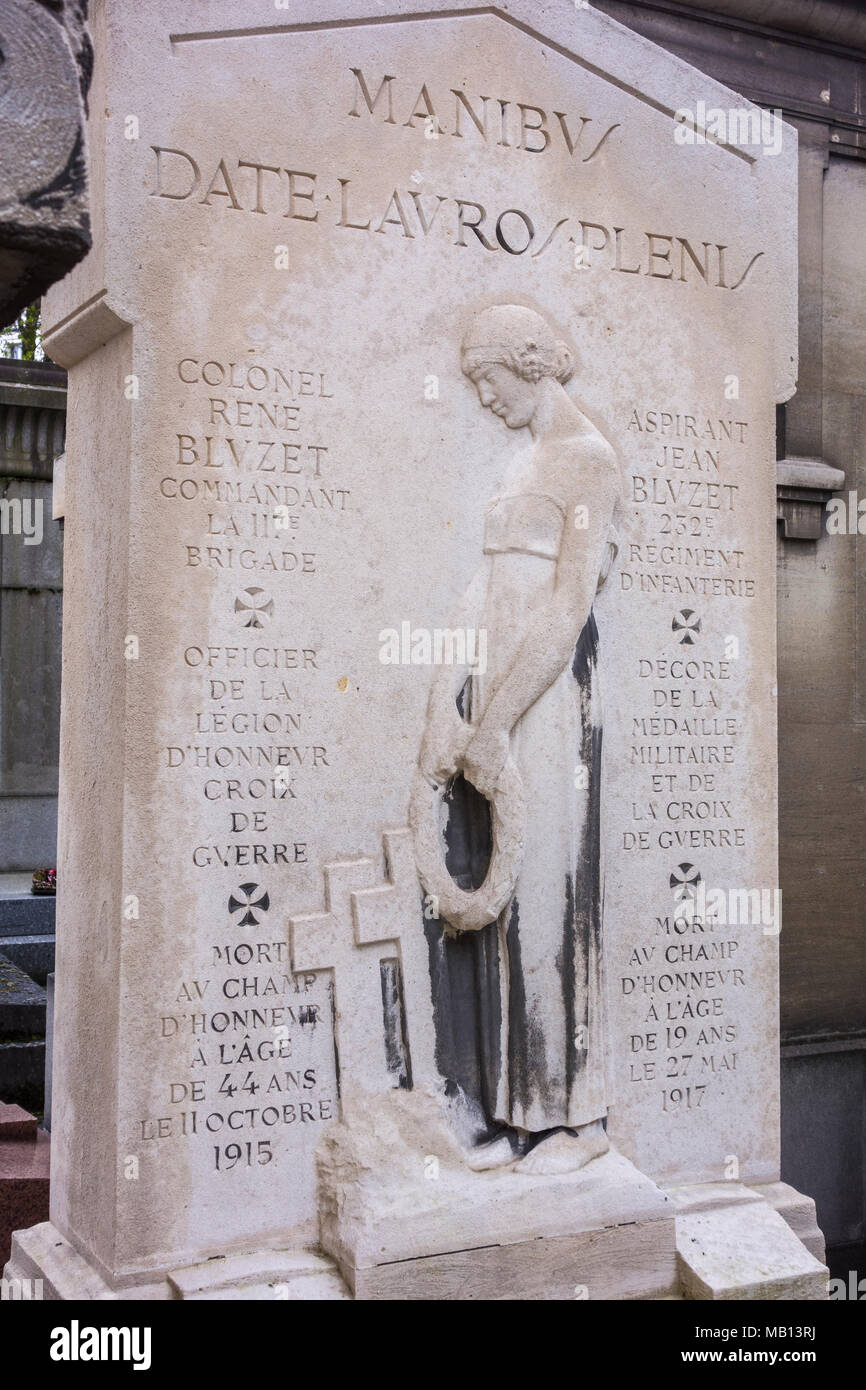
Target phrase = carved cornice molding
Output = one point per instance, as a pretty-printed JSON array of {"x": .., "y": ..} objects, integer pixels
[
  {"x": 841, "y": 22},
  {"x": 803, "y": 486}
]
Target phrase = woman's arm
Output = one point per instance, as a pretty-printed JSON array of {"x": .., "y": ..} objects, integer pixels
[
  {"x": 548, "y": 645},
  {"x": 445, "y": 734}
]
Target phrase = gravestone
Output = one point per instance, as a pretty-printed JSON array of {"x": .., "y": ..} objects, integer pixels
[
  {"x": 417, "y": 931},
  {"x": 22, "y": 1036}
]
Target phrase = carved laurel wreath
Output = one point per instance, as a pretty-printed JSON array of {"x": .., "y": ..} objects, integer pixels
[{"x": 462, "y": 910}]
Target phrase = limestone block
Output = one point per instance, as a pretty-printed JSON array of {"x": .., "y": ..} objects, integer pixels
[
  {"x": 733, "y": 1244},
  {"x": 404, "y": 1217}
]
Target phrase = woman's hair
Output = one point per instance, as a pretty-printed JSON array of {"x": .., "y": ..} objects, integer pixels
[{"x": 519, "y": 339}]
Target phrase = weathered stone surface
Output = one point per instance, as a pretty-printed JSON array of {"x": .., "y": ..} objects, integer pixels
[
  {"x": 822, "y": 741},
  {"x": 799, "y": 1212},
  {"x": 288, "y": 1276},
  {"x": 404, "y": 1217},
  {"x": 281, "y": 472},
  {"x": 44, "y": 223},
  {"x": 41, "y": 1252},
  {"x": 744, "y": 1249},
  {"x": 634, "y": 1260}
]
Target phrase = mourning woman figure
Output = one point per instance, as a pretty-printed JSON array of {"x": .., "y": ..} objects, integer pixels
[{"x": 519, "y": 1003}]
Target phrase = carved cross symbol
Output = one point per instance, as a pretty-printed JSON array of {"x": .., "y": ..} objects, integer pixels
[
  {"x": 256, "y": 604},
  {"x": 327, "y": 941},
  {"x": 245, "y": 902},
  {"x": 365, "y": 923},
  {"x": 684, "y": 881},
  {"x": 688, "y": 623}
]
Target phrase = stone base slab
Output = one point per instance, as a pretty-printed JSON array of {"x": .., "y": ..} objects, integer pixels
[
  {"x": 630, "y": 1261},
  {"x": 799, "y": 1213},
  {"x": 737, "y": 1242},
  {"x": 288, "y": 1275},
  {"x": 606, "y": 1231}
]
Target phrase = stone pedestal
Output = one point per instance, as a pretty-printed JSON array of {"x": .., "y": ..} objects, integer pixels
[
  {"x": 607, "y": 1232},
  {"x": 42, "y": 1252},
  {"x": 403, "y": 1217}
]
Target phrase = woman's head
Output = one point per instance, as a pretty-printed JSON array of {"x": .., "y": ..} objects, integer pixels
[{"x": 510, "y": 352}]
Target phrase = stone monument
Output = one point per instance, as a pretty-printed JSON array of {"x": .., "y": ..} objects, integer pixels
[{"x": 417, "y": 923}]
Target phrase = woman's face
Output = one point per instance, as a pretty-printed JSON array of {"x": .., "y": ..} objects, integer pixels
[{"x": 509, "y": 396}]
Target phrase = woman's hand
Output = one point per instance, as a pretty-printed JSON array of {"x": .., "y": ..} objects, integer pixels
[
  {"x": 443, "y": 747},
  {"x": 485, "y": 758}
]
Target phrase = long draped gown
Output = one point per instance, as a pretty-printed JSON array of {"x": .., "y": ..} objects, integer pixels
[{"x": 519, "y": 1005}]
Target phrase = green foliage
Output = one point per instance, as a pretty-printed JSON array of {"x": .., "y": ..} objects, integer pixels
[
  {"x": 29, "y": 329},
  {"x": 26, "y": 330}
]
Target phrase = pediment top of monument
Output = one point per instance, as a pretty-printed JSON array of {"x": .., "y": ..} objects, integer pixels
[
  {"x": 574, "y": 28},
  {"x": 207, "y": 110}
]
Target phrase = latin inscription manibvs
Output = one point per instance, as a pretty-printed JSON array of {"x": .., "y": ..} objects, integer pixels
[{"x": 332, "y": 199}]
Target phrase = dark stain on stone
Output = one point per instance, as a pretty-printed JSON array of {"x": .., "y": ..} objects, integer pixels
[
  {"x": 332, "y": 997},
  {"x": 527, "y": 1057},
  {"x": 585, "y": 653},
  {"x": 464, "y": 972},
  {"x": 566, "y": 964},
  {"x": 397, "y": 1058},
  {"x": 465, "y": 969}
]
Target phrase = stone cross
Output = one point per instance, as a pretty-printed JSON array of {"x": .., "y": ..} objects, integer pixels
[{"x": 363, "y": 925}]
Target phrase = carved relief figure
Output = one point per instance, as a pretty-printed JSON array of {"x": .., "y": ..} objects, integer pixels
[{"x": 515, "y": 749}]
